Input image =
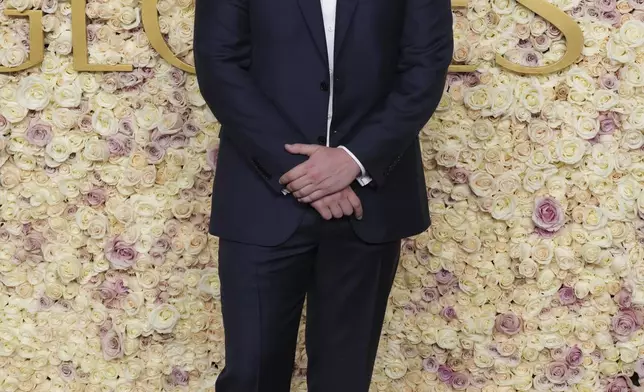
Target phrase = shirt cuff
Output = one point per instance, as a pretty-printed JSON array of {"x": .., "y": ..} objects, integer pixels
[{"x": 364, "y": 178}]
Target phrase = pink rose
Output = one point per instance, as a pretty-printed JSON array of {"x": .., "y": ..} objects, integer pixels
[
  {"x": 120, "y": 254},
  {"x": 112, "y": 345},
  {"x": 548, "y": 214},
  {"x": 155, "y": 152},
  {"x": 508, "y": 323}
]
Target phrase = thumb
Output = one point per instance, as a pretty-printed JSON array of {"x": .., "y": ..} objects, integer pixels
[{"x": 302, "y": 149}]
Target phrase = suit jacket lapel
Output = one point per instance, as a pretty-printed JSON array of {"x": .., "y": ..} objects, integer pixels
[
  {"x": 312, "y": 12},
  {"x": 344, "y": 14}
]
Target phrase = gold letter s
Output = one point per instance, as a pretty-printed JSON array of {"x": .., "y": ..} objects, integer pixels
[
  {"x": 152, "y": 30},
  {"x": 565, "y": 24},
  {"x": 36, "y": 40}
]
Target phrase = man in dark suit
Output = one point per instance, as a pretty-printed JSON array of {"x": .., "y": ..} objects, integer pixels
[{"x": 319, "y": 173}]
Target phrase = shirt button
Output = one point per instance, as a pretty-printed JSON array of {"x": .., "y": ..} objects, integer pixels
[{"x": 330, "y": 29}]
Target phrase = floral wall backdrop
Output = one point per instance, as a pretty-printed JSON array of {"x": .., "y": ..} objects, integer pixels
[{"x": 531, "y": 278}]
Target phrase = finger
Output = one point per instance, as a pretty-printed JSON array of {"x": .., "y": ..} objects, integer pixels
[
  {"x": 293, "y": 174},
  {"x": 323, "y": 210},
  {"x": 300, "y": 184},
  {"x": 336, "y": 210},
  {"x": 357, "y": 205},
  {"x": 347, "y": 208},
  {"x": 325, "y": 188},
  {"x": 302, "y": 149}
]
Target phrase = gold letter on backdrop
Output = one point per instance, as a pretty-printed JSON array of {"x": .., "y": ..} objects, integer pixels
[
  {"x": 36, "y": 40},
  {"x": 461, "y": 68},
  {"x": 79, "y": 44},
  {"x": 565, "y": 24},
  {"x": 153, "y": 32}
]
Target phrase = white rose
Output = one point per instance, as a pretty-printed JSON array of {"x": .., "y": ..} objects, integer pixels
[
  {"x": 632, "y": 74},
  {"x": 96, "y": 150},
  {"x": 570, "y": 150},
  {"x": 33, "y": 93},
  {"x": 447, "y": 339},
  {"x": 58, "y": 149},
  {"x": 586, "y": 127},
  {"x": 68, "y": 95},
  {"x": 163, "y": 318},
  {"x": 631, "y": 33},
  {"x": 619, "y": 52},
  {"x": 13, "y": 112},
  {"x": 605, "y": 100},
  {"x": 482, "y": 183},
  {"x": 104, "y": 122},
  {"x": 477, "y": 98},
  {"x": 633, "y": 139},
  {"x": 503, "y": 207}
]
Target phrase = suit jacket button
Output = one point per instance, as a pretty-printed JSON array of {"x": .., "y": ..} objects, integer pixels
[
  {"x": 324, "y": 86},
  {"x": 321, "y": 140}
]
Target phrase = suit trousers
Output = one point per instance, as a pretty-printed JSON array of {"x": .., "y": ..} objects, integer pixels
[{"x": 346, "y": 283}]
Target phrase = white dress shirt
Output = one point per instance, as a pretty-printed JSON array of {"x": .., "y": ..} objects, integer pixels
[{"x": 328, "y": 15}]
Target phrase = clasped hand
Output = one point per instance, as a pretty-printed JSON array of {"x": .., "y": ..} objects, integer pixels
[{"x": 323, "y": 180}]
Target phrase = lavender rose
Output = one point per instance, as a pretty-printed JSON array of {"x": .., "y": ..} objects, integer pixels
[
  {"x": 574, "y": 357},
  {"x": 430, "y": 294},
  {"x": 211, "y": 158},
  {"x": 548, "y": 215},
  {"x": 95, "y": 197},
  {"x": 67, "y": 371},
  {"x": 624, "y": 298},
  {"x": 430, "y": 365},
  {"x": 557, "y": 372},
  {"x": 155, "y": 152},
  {"x": 620, "y": 384},
  {"x": 508, "y": 323},
  {"x": 609, "y": 81},
  {"x": 448, "y": 313},
  {"x": 445, "y": 277},
  {"x": 120, "y": 254},
  {"x": 458, "y": 175},
  {"x": 460, "y": 381},
  {"x": 445, "y": 374},
  {"x": 39, "y": 134},
  {"x": 179, "y": 377},
  {"x": 567, "y": 295},
  {"x": 112, "y": 345},
  {"x": 625, "y": 322}
]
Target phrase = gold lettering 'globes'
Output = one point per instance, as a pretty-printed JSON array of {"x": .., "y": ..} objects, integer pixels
[{"x": 565, "y": 24}]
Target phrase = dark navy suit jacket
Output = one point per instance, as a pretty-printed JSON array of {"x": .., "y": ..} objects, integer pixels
[{"x": 262, "y": 68}]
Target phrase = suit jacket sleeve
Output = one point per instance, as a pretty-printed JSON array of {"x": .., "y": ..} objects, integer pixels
[
  {"x": 425, "y": 54},
  {"x": 253, "y": 124}
]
